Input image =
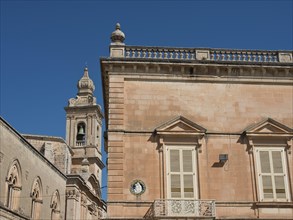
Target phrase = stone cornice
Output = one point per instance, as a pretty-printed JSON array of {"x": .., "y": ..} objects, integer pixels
[
  {"x": 74, "y": 180},
  {"x": 206, "y": 68}
]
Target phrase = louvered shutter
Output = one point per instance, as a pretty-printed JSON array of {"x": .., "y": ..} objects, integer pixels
[
  {"x": 181, "y": 174},
  {"x": 279, "y": 175},
  {"x": 272, "y": 174}
]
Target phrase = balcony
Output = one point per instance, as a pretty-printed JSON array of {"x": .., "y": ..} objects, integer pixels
[{"x": 191, "y": 209}]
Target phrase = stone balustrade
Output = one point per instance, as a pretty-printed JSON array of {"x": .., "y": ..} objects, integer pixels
[
  {"x": 244, "y": 56},
  {"x": 190, "y": 54},
  {"x": 159, "y": 53},
  {"x": 80, "y": 143},
  {"x": 191, "y": 209}
]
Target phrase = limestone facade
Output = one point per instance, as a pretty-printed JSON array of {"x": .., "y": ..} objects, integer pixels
[
  {"x": 206, "y": 133},
  {"x": 27, "y": 190}
]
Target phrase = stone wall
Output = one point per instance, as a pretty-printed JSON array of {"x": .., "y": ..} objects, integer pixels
[{"x": 32, "y": 165}]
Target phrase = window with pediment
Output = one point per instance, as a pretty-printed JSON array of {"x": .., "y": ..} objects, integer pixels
[
  {"x": 180, "y": 139},
  {"x": 270, "y": 143},
  {"x": 37, "y": 198},
  {"x": 13, "y": 185}
]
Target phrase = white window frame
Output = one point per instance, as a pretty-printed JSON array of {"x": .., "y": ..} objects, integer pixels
[
  {"x": 259, "y": 174},
  {"x": 195, "y": 172}
]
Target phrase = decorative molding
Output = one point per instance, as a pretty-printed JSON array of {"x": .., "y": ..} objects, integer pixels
[{"x": 72, "y": 194}]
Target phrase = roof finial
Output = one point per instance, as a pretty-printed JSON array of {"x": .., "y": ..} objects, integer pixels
[
  {"x": 85, "y": 71},
  {"x": 117, "y": 36}
]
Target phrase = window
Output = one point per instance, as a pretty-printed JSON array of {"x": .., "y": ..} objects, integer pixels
[
  {"x": 181, "y": 172},
  {"x": 81, "y": 134},
  {"x": 13, "y": 186},
  {"x": 37, "y": 201},
  {"x": 272, "y": 174},
  {"x": 55, "y": 206}
]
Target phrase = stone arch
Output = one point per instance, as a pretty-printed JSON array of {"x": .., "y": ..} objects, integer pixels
[
  {"x": 95, "y": 184},
  {"x": 81, "y": 133},
  {"x": 55, "y": 206},
  {"x": 13, "y": 185},
  {"x": 37, "y": 198}
]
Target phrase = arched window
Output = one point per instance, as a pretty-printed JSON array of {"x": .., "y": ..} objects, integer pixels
[
  {"x": 37, "y": 195},
  {"x": 55, "y": 206},
  {"x": 81, "y": 134},
  {"x": 13, "y": 185}
]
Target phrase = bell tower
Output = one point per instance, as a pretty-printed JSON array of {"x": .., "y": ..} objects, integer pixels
[{"x": 84, "y": 129}]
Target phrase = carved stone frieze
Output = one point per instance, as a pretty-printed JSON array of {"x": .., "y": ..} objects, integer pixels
[{"x": 72, "y": 194}]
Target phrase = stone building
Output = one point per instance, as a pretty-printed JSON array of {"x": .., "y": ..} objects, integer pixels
[
  {"x": 45, "y": 177},
  {"x": 195, "y": 133},
  {"x": 27, "y": 191}
]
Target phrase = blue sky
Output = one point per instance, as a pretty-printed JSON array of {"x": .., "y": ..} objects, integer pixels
[{"x": 46, "y": 44}]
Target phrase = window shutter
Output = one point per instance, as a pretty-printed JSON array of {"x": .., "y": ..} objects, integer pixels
[
  {"x": 188, "y": 186},
  {"x": 265, "y": 161},
  {"x": 174, "y": 161},
  {"x": 267, "y": 187},
  {"x": 187, "y": 160},
  {"x": 272, "y": 174},
  {"x": 175, "y": 186},
  {"x": 280, "y": 187},
  {"x": 277, "y": 162},
  {"x": 181, "y": 172}
]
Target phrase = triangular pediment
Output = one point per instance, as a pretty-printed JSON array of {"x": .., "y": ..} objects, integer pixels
[
  {"x": 180, "y": 124},
  {"x": 268, "y": 126}
]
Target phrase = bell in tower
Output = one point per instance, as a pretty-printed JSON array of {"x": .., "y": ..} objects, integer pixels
[{"x": 80, "y": 137}]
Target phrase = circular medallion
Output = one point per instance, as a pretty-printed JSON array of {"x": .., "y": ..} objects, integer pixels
[{"x": 137, "y": 187}]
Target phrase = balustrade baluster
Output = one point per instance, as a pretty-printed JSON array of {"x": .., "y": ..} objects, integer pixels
[
  {"x": 233, "y": 56},
  {"x": 228, "y": 55},
  {"x": 249, "y": 56},
  {"x": 275, "y": 58},
  {"x": 181, "y": 54},
  {"x": 222, "y": 56},
  {"x": 270, "y": 57},
  {"x": 127, "y": 53},
  {"x": 253, "y": 57},
  {"x": 155, "y": 53},
  {"x": 212, "y": 55},
  {"x": 160, "y": 54},
  {"x": 138, "y": 53},
  {"x": 192, "y": 57},
  {"x": 165, "y": 54},
  {"x": 133, "y": 53},
  {"x": 265, "y": 57},
  {"x": 259, "y": 57},
  {"x": 217, "y": 56},
  {"x": 144, "y": 53},
  {"x": 239, "y": 57},
  {"x": 187, "y": 55},
  {"x": 176, "y": 54},
  {"x": 149, "y": 53}
]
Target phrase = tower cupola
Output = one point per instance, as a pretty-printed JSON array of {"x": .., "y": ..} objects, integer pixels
[{"x": 85, "y": 85}]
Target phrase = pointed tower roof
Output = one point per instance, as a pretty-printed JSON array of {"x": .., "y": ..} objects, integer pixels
[
  {"x": 85, "y": 94},
  {"x": 85, "y": 85}
]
